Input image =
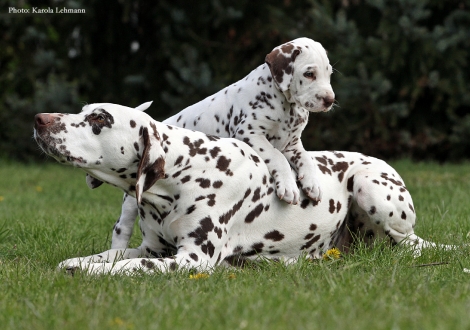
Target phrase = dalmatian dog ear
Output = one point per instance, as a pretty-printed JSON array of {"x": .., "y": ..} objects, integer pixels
[
  {"x": 93, "y": 182},
  {"x": 144, "y": 106},
  {"x": 152, "y": 161},
  {"x": 281, "y": 63}
]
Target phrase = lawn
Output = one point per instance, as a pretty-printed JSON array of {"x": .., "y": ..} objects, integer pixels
[{"x": 47, "y": 214}]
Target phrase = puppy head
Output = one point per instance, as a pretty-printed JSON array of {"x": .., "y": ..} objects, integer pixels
[{"x": 301, "y": 70}]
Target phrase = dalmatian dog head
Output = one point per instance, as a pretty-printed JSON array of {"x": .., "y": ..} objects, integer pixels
[
  {"x": 301, "y": 70},
  {"x": 98, "y": 141}
]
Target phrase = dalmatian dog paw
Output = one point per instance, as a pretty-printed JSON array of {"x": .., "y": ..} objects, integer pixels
[
  {"x": 110, "y": 256},
  {"x": 87, "y": 265},
  {"x": 287, "y": 190},
  {"x": 74, "y": 263},
  {"x": 311, "y": 187}
]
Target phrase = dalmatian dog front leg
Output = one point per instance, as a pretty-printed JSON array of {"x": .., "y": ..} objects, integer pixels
[
  {"x": 123, "y": 228},
  {"x": 303, "y": 163},
  {"x": 286, "y": 186},
  {"x": 189, "y": 255},
  {"x": 151, "y": 246},
  {"x": 182, "y": 260}
]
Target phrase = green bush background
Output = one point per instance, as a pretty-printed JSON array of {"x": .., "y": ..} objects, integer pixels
[{"x": 401, "y": 82}]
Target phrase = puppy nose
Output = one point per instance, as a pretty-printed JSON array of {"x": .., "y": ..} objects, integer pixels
[
  {"x": 42, "y": 119},
  {"x": 328, "y": 101}
]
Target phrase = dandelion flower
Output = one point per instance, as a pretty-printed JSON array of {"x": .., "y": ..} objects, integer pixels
[
  {"x": 38, "y": 188},
  {"x": 332, "y": 254},
  {"x": 232, "y": 276},
  {"x": 2, "y": 198},
  {"x": 118, "y": 321},
  {"x": 198, "y": 276}
]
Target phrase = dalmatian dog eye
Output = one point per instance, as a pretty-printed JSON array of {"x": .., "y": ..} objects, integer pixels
[
  {"x": 310, "y": 75},
  {"x": 100, "y": 118}
]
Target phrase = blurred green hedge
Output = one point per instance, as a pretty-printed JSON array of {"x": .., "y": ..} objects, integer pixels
[{"x": 401, "y": 81}]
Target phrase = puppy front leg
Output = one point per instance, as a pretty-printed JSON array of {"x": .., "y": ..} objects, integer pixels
[{"x": 303, "y": 163}]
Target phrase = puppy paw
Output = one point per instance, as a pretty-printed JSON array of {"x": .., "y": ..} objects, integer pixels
[
  {"x": 311, "y": 188},
  {"x": 287, "y": 190}
]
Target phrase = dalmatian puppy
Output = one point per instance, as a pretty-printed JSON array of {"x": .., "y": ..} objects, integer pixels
[
  {"x": 212, "y": 200},
  {"x": 268, "y": 110}
]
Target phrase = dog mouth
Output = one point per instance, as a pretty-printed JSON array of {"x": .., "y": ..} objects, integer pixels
[
  {"x": 313, "y": 106},
  {"x": 75, "y": 160},
  {"x": 55, "y": 148},
  {"x": 326, "y": 109}
]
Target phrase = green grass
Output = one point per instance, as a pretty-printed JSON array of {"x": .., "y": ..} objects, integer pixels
[{"x": 47, "y": 214}]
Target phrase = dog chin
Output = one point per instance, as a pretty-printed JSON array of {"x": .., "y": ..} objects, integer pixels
[
  {"x": 317, "y": 109},
  {"x": 64, "y": 159}
]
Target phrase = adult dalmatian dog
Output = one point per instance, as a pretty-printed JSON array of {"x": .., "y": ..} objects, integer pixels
[
  {"x": 212, "y": 200},
  {"x": 268, "y": 110}
]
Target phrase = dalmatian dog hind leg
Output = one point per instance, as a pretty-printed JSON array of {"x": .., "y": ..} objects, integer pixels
[{"x": 383, "y": 208}]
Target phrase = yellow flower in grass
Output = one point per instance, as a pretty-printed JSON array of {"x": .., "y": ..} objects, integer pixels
[
  {"x": 120, "y": 323},
  {"x": 38, "y": 188},
  {"x": 198, "y": 276},
  {"x": 2, "y": 198},
  {"x": 332, "y": 254},
  {"x": 232, "y": 276}
]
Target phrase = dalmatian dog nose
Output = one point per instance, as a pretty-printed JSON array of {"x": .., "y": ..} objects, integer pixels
[
  {"x": 328, "y": 101},
  {"x": 43, "y": 119}
]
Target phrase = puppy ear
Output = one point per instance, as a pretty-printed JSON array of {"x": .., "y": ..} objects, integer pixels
[
  {"x": 281, "y": 63},
  {"x": 143, "y": 106},
  {"x": 93, "y": 182},
  {"x": 152, "y": 161}
]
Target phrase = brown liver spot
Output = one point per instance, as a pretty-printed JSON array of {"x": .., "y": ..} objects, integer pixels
[{"x": 274, "y": 235}]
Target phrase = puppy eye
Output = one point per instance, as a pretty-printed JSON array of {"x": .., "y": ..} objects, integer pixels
[{"x": 309, "y": 75}]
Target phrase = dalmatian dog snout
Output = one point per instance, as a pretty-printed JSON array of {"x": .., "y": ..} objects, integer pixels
[
  {"x": 44, "y": 122},
  {"x": 46, "y": 127},
  {"x": 47, "y": 124},
  {"x": 327, "y": 99}
]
